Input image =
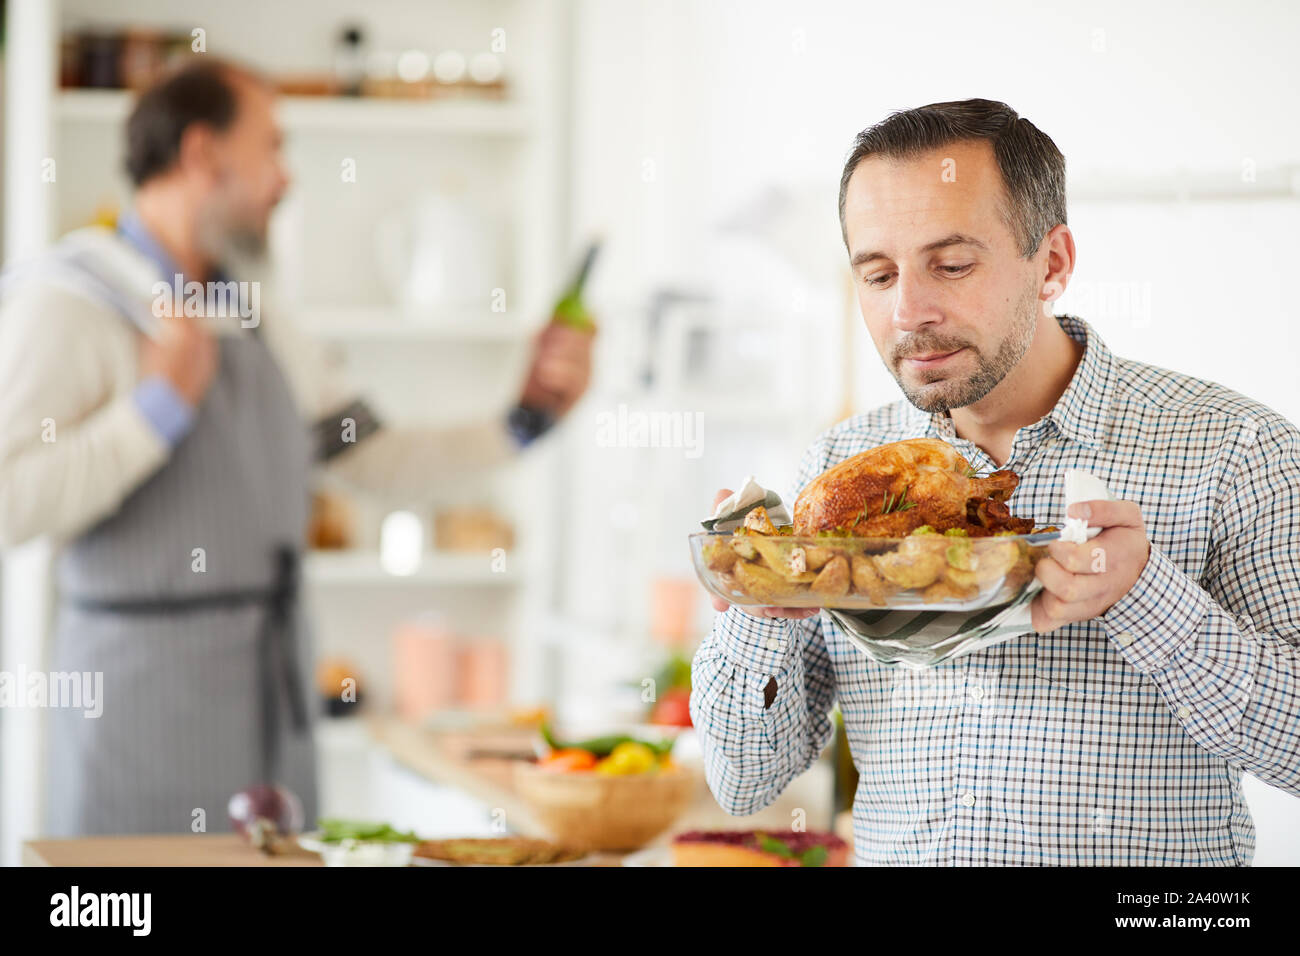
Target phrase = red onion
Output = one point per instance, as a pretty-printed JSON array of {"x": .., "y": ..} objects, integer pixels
[{"x": 263, "y": 813}]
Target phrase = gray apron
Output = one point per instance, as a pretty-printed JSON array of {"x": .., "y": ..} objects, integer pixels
[{"x": 202, "y": 652}]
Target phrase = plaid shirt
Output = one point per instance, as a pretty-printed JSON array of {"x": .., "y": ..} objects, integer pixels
[{"x": 1117, "y": 741}]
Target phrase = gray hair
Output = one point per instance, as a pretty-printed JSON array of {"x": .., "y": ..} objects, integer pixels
[{"x": 1032, "y": 168}]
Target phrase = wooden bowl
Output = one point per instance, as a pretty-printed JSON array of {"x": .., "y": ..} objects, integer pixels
[{"x": 604, "y": 811}]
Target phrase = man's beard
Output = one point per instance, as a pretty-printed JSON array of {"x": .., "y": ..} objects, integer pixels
[
  {"x": 944, "y": 394},
  {"x": 228, "y": 240}
]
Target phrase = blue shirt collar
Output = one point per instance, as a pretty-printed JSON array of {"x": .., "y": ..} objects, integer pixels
[{"x": 132, "y": 228}]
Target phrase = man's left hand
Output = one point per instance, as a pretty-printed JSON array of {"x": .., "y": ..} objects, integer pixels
[
  {"x": 1083, "y": 581},
  {"x": 561, "y": 369}
]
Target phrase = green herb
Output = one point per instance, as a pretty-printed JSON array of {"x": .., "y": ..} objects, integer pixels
[
  {"x": 814, "y": 856},
  {"x": 334, "y": 830},
  {"x": 972, "y": 472},
  {"x": 773, "y": 845},
  {"x": 897, "y": 503}
]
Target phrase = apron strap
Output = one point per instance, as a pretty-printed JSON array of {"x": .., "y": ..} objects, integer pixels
[{"x": 278, "y": 663}]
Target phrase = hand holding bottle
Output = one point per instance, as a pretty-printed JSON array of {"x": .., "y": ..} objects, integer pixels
[{"x": 561, "y": 367}]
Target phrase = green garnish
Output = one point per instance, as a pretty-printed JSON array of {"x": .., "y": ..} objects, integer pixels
[
  {"x": 773, "y": 845},
  {"x": 814, "y": 856},
  {"x": 334, "y": 830},
  {"x": 957, "y": 533},
  {"x": 925, "y": 529},
  {"x": 895, "y": 504}
]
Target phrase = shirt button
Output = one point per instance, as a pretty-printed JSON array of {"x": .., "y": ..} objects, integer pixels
[
  {"x": 773, "y": 644},
  {"x": 1183, "y": 712},
  {"x": 1124, "y": 638},
  {"x": 977, "y": 693},
  {"x": 968, "y": 799}
]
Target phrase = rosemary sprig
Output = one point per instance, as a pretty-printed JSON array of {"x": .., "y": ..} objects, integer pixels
[
  {"x": 897, "y": 503},
  {"x": 862, "y": 516},
  {"x": 972, "y": 472},
  {"x": 892, "y": 503}
]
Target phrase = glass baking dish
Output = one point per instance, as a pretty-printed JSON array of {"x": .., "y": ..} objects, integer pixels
[{"x": 923, "y": 571}]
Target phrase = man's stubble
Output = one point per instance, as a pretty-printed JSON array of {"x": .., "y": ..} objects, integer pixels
[{"x": 945, "y": 394}]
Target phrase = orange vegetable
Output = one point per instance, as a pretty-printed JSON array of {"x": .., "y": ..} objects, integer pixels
[{"x": 568, "y": 761}]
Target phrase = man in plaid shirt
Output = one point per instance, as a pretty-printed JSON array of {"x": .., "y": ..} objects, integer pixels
[{"x": 1166, "y": 653}]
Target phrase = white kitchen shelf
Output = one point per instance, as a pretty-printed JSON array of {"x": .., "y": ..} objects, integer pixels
[
  {"x": 1184, "y": 185},
  {"x": 381, "y": 324},
  {"x": 362, "y": 568},
  {"x": 338, "y": 114}
]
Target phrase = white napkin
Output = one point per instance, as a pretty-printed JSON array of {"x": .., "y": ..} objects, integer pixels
[
  {"x": 730, "y": 512},
  {"x": 1079, "y": 486},
  {"x": 1082, "y": 486}
]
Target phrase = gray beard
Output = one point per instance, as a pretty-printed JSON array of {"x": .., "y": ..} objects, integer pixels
[
  {"x": 945, "y": 394},
  {"x": 239, "y": 251}
]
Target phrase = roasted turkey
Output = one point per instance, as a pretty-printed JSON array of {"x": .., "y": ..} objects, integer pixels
[{"x": 892, "y": 490}]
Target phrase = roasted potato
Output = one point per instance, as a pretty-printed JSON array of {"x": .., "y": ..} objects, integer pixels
[
  {"x": 776, "y": 554},
  {"x": 833, "y": 580},
  {"x": 917, "y": 563},
  {"x": 720, "y": 555},
  {"x": 994, "y": 559},
  {"x": 766, "y": 585},
  {"x": 819, "y": 555},
  {"x": 948, "y": 590},
  {"x": 958, "y": 578},
  {"x": 867, "y": 580}
]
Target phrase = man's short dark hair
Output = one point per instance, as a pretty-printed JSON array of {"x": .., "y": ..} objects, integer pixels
[
  {"x": 1033, "y": 169},
  {"x": 202, "y": 93}
]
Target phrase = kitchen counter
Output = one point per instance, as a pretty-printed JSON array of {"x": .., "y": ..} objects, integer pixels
[
  {"x": 471, "y": 761},
  {"x": 183, "y": 849},
  {"x": 173, "y": 849},
  {"x": 475, "y": 762},
  {"x": 464, "y": 760}
]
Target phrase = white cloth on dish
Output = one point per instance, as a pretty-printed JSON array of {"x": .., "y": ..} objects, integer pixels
[{"x": 731, "y": 511}]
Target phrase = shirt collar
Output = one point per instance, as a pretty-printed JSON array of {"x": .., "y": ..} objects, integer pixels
[
  {"x": 1080, "y": 412},
  {"x": 132, "y": 228}
]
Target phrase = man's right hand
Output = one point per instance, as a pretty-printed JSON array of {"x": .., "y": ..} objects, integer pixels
[
  {"x": 184, "y": 353},
  {"x": 798, "y": 613}
]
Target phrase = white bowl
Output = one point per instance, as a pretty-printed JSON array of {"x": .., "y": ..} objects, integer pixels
[{"x": 358, "y": 852}]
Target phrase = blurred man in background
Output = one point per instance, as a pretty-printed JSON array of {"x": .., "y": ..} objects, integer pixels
[{"x": 171, "y": 454}]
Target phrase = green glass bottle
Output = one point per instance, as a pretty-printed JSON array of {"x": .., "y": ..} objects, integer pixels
[
  {"x": 570, "y": 310},
  {"x": 527, "y": 422}
]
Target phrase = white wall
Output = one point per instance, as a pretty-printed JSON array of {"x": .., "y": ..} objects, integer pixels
[{"x": 688, "y": 112}]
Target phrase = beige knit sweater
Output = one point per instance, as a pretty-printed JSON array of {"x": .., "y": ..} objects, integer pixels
[{"x": 73, "y": 443}]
